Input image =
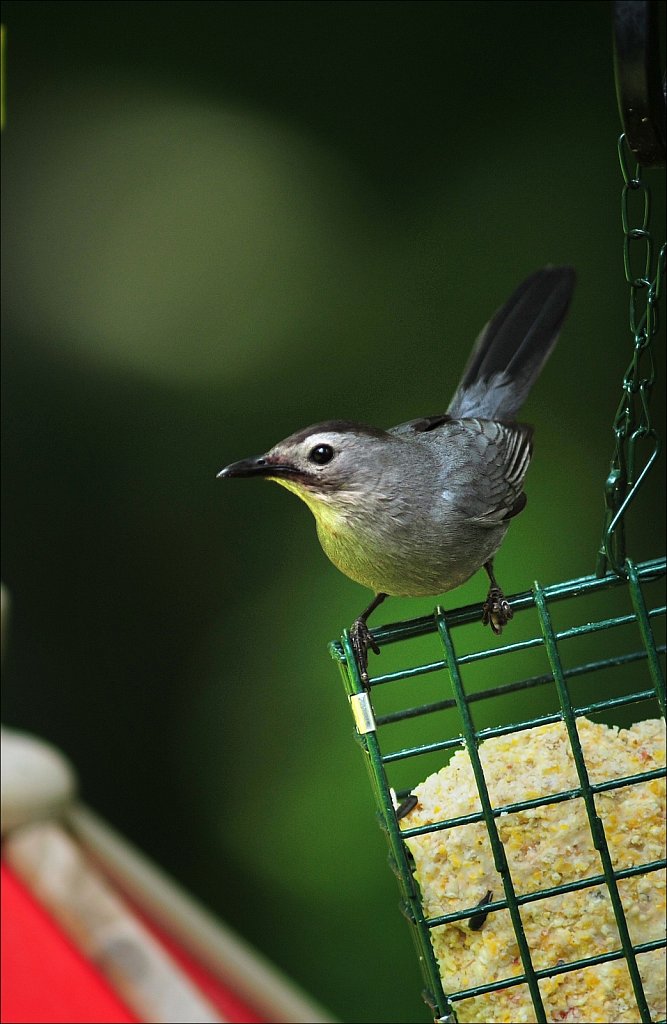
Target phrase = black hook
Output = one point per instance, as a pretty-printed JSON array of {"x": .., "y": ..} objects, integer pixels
[{"x": 640, "y": 87}]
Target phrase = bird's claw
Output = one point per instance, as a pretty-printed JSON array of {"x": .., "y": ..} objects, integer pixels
[
  {"x": 497, "y": 611},
  {"x": 362, "y": 639}
]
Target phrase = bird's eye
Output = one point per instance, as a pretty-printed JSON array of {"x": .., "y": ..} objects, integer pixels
[{"x": 321, "y": 454}]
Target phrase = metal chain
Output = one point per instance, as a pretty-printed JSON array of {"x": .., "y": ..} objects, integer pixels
[{"x": 632, "y": 426}]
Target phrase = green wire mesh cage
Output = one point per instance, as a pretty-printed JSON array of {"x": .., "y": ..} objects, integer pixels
[
  {"x": 587, "y": 650},
  {"x": 630, "y": 670}
]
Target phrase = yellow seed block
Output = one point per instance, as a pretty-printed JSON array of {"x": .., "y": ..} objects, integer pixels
[{"x": 546, "y": 846}]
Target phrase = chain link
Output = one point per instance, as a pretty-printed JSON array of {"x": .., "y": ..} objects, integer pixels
[{"x": 637, "y": 444}]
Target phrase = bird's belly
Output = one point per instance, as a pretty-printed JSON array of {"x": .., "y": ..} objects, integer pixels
[{"x": 411, "y": 563}]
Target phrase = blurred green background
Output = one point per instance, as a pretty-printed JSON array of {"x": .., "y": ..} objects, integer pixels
[{"x": 222, "y": 222}]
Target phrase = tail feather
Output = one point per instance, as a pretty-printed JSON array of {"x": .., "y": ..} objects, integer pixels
[{"x": 512, "y": 348}]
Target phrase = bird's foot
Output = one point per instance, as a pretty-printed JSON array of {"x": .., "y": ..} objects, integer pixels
[
  {"x": 362, "y": 639},
  {"x": 497, "y": 611}
]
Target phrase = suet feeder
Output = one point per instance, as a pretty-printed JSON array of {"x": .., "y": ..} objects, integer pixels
[{"x": 570, "y": 933}]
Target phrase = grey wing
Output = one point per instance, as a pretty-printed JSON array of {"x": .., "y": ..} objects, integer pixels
[
  {"x": 503, "y": 456},
  {"x": 481, "y": 465}
]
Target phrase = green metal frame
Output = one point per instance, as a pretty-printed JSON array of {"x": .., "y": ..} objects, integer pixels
[{"x": 370, "y": 726}]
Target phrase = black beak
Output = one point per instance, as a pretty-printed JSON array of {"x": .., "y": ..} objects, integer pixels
[{"x": 259, "y": 466}]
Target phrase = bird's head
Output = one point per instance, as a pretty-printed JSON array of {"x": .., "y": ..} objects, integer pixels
[{"x": 331, "y": 466}]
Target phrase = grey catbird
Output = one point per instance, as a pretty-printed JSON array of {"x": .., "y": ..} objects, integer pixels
[{"x": 419, "y": 508}]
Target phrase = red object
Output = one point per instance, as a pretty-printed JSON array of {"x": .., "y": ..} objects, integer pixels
[
  {"x": 45, "y": 980},
  {"x": 232, "y": 1007}
]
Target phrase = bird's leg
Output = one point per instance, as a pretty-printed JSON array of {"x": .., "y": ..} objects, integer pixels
[
  {"x": 362, "y": 638},
  {"x": 497, "y": 609}
]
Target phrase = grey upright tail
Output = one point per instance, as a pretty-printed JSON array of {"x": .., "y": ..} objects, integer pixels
[{"x": 514, "y": 346}]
